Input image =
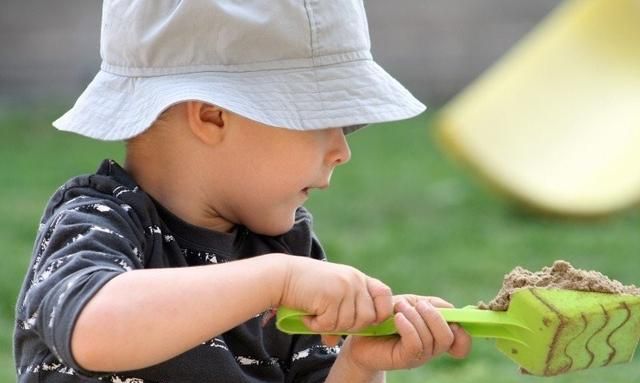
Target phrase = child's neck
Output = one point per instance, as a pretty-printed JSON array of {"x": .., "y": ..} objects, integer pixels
[{"x": 177, "y": 190}]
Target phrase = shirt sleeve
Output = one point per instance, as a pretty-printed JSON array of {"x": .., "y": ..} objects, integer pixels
[{"x": 80, "y": 248}]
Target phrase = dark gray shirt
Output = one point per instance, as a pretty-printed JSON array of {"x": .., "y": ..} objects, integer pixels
[{"x": 98, "y": 226}]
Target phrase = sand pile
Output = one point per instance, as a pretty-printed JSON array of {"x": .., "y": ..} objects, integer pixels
[{"x": 561, "y": 276}]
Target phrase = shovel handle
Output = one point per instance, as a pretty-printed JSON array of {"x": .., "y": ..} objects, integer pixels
[{"x": 478, "y": 323}]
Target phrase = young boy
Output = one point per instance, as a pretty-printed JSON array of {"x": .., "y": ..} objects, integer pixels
[{"x": 167, "y": 270}]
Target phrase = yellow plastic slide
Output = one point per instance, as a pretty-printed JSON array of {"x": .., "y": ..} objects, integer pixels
[{"x": 555, "y": 124}]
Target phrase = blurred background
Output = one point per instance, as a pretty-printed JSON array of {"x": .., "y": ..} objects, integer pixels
[{"x": 401, "y": 210}]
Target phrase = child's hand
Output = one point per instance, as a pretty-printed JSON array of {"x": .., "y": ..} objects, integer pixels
[
  {"x": 423, "y": 334},
  {"x": 339, "y": 298}
]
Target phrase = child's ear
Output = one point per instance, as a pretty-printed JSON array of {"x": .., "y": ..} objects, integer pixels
[{"x": 206, "y": 121}]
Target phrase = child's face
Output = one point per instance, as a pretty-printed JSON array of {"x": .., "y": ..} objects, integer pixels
[{"x": 270, "y": 172}]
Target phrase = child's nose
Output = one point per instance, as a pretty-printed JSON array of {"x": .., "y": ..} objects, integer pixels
[{"x": 340, "y": 152}]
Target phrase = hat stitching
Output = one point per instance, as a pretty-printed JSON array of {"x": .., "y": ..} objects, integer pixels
[
  {"x": 312, "y": 28},
  {"x": 262, "y": 66},
  {"x": 292, "y": 90},
  {"x": 270, "y": 105},
  {"x": 231, "y": 75},
  {"x": 242, "y": 101},
  {"x": 313, "y": 42},
  {"x": 288, "y": 112}
]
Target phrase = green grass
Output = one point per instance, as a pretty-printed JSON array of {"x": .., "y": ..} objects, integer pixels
[{"x": 399, "y": 211}]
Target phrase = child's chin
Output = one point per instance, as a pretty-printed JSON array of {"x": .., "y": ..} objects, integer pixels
[{"x": 274, "y": 227}]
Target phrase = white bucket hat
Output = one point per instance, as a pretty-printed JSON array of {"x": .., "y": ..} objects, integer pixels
[{"x": 296, "y": 64}]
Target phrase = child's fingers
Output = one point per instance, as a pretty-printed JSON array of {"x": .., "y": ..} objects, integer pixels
[
  {"x": 439, "y": 302},
  {"x": 439, "y": 329},
  {"x": 346, "y": 313},
  {"x": 419, "y": 324},
  {"x": 412, "y": 348},
  {"x": 325, "y": 321},
  {"x": 382, "y": 299},
  {"x": 365, "y": 311},
  {"x": 461, "y": 343},
  {"x": 461, "y": 340}
]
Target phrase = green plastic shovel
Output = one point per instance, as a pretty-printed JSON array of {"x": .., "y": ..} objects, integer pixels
[{"x": 545, "y": 331}]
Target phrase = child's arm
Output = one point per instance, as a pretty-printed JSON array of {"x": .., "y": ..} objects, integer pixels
[{"x": 144, "y": 317}]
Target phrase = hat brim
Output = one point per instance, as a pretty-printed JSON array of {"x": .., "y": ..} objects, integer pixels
[{"x": 348, "y": 95}]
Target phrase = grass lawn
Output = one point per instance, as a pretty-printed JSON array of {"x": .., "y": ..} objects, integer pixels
[{"x": 399, "y": 211}]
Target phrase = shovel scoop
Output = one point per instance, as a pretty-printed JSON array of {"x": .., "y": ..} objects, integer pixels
[{"x": 545, "y": 331}]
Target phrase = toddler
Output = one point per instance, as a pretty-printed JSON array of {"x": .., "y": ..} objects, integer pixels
[{"x": 168, "y": 268}]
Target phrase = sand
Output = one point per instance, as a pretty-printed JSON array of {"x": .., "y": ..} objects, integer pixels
[{"x": 560, "y": 275}]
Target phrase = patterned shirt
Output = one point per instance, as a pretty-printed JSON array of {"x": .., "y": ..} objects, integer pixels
[{"x": 98, "y": 226}]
